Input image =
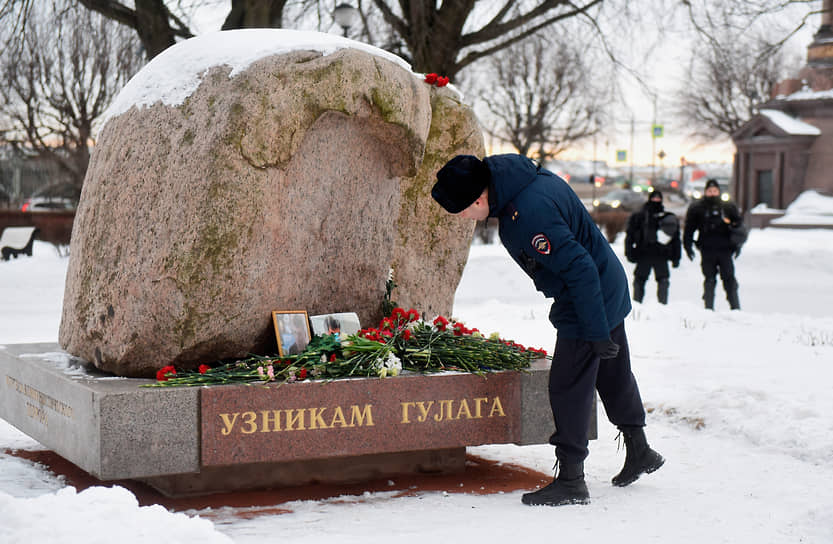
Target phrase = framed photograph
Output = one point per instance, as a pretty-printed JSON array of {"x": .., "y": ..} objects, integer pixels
[
  {"x": 341, "y": 324},
  {"x": 291, "y": 330}
]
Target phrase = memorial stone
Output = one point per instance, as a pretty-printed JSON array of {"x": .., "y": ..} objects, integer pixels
[{"x": 296, "y": 183}]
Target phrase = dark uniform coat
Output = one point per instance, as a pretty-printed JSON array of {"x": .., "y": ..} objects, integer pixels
[
  {"x": 712, "y": 220},
  {"x": 549, "y": 233},
  {"x": 652, "y": 234}
]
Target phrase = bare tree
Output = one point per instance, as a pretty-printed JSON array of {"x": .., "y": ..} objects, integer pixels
[
  {"x": 543, "y": 95},
  {"x": 729, "y": 78},
  {"x": 59, "y": 81},
  {"x": 444, "y": 37}
]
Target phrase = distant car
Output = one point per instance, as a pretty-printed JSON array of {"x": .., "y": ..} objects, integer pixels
[
  {"x": 47, "y": 204},
  {"x": 620, "y": 199},
  {"x": 54, "y": 197}
]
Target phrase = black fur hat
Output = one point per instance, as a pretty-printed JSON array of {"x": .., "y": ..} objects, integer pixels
[
  {"x": 460, "y": 182},
  {"x": 655, "y": 193}
]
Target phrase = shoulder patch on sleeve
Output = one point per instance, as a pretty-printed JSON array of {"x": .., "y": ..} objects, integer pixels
[{"x": 541, "y": 244}]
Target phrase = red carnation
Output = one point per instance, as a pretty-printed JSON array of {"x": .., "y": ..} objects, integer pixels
[
  {"x": 204, "y": 368},
  {"x": 162, "y": 373},
  {"x": 431, "y": 78},
  {"x": 302, "y": 375},
  {"x": 413, "y": 315},
  {"x": 406, "y": 335},
  {"x": 398, "y": 316},
  {"x": 442, "y": 81},
  {"x": 441, "y": 323},
  {"x": 333, "y": 358}
]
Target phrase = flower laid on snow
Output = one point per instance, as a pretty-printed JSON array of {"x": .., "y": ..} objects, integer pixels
[{"x": 401, "y": 343}]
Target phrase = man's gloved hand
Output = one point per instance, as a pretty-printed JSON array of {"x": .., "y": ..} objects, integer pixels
[
  {"x": 690, "y": 253},
  {"x": 605, "y": 349},
  {"x": 737, "y": 253},
  {"x": 675, "y": 264}
]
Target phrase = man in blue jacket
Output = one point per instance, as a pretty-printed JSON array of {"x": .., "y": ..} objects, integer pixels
[{"x": 548, "y": 232}]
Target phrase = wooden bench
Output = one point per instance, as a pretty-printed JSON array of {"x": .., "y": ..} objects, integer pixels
[{"x": 17, "y": 240}]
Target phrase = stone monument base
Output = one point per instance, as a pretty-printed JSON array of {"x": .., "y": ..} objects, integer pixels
[
  {"x": 199, "y": 440},
  {"x": 337, "y": 470}
]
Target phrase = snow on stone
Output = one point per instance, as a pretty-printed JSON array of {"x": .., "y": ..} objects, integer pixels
[
  {"x": 173, "y": 75},
  {"x": 790, "y": 125}
]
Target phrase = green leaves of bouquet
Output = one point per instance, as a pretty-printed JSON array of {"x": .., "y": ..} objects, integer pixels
[{"x": 401, "y": 343}]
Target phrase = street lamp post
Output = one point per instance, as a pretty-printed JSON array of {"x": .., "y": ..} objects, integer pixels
[{"x": 345, "y": 16}]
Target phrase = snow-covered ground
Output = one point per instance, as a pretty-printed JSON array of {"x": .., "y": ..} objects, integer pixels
[{"x": 739, "y": 403}]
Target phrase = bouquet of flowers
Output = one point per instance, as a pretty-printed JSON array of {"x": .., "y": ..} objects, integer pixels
[{"x": 401, "y": 343}]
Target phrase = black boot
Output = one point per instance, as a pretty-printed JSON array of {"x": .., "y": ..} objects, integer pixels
[
  {"x": 638, "y": 290},
  {"x": 708, "y": 294},
  {"x": 732, "y": 297},
  {"x": 639, "y": 457},
  {"x": 567, "y": 488},
  {"x": 662, "y": 290}
]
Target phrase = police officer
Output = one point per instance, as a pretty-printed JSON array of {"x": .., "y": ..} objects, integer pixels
[
  {"x": 548, "y": 232},
  {"x": 713, "y": 221},
  {"x": 652, "y": 239}
]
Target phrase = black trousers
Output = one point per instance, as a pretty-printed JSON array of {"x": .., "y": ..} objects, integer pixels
[
  {"x": 711, "y": 263},
  {"x": 576, "y": 373},
  {"x": 661, "y": 274}
]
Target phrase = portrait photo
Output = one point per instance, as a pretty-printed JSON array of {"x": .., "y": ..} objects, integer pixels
[
  {"x": 340, "y": 325},
  {"x": 291, "y": 330}
]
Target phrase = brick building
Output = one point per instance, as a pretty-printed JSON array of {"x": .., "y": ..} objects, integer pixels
[{"x": 787, "y": 148}]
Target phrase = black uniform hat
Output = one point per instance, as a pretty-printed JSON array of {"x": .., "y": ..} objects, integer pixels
[
  {"x": 712, "y": 183},
  {"x": 460, "y": 182},
  {"x": 655, "y": 194}
]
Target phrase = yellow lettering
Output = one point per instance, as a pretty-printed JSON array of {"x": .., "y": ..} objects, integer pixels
[
  {"x": 463, "y": 409},
  {"x": 405, "y": 406},
  {"x": 338, "y": 417},
  {"x": 423, "y": 411},
  {"x": 478, "y": 403},
  {"x": 298, "y": 418},
  {"x": 316, "y": 419},
  {"x": 228, "y": 423},
  {"x": 365, "y": 413},
  {"x": 440, "y": 415},
  {"x": 250, "y": 419},
  {"x": 274, "y": 419},
  {"x": 497, "y": 407}
]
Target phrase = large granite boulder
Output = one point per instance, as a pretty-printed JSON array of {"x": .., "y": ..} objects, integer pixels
[{"x": 294, "y": 184}]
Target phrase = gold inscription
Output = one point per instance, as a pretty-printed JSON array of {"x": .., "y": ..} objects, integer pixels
[
  {"x": 299, "y": 419},
  {"x": 450, "y": 409}
]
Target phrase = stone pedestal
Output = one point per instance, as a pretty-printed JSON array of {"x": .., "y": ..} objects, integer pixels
[{"x": 197, "y": 440}]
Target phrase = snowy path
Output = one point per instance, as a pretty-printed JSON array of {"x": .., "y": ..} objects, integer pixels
[{"x": 739, "y": 405}]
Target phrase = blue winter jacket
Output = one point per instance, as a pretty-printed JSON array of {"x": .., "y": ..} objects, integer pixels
[{"x": 550, "y": 234}]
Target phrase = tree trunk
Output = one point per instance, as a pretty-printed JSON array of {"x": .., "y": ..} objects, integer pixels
[
  {"x": 255, "y": 14},
  {"x": 153, "y": 26}
]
